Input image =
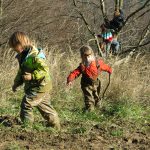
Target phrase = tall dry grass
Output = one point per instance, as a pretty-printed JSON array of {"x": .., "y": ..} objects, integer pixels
[{"x": 130, "y": 79}]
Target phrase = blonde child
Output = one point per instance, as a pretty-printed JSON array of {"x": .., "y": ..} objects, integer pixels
[
  {"x": 89, "y": 68},
  {"x": 34, "y": 73}
]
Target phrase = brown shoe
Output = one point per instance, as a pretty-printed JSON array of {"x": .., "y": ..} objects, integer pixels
[
  {"x": 98, "y": 104},
  {"x": 90, "y": 108},
  {"x": 55, "y": 124}
]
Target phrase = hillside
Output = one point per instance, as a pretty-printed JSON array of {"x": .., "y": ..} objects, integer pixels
[
  {"x": 121, "y": 123},
  {"x": 61, "y": 27}
]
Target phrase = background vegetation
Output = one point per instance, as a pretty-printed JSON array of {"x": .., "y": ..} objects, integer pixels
[{"x": 123, "y": 120}]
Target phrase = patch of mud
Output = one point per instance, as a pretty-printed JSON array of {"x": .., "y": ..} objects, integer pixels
[
  {"x": 9, "y": 121},
  {"x": 96, "y": 139},
  {"x": 92, "y": 141}
]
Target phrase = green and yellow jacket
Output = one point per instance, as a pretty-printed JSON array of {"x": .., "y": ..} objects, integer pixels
[{"x": 33, "y": 60}]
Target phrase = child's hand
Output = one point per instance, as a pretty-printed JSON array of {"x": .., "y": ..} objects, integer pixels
[
  {"x": 14, "y": 88},
  {"x": 68, "y": 87},
  {"x": 27, "y": 76},
  {"x": 69, "y": 83}
]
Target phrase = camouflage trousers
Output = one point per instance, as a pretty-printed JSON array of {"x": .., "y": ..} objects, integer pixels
[
  {"x": 91, "y": 94},
  {"x": 42, "y": 102}
]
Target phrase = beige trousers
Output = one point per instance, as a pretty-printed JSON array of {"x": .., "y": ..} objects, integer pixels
[
  {"x": 91, "y": 94},
  {"x": 42, "y": 102}
]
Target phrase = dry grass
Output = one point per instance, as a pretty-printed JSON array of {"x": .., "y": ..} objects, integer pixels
[
  {"x": 132, "y": 79},
  {"x": 129, "y": 79}
]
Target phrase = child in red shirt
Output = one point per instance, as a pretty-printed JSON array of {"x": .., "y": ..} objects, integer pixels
[{"x": 90, "y": 68}]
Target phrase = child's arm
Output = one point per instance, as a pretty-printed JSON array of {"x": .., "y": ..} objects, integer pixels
[
  {"x": 74, "y": 74},
  {"x": 105, "y": 67},
  {"x": 121, "y": 14},
  {"x": 99, "y": 35},
  {"x": 107, "y": 22},
  {"x": 17, "y": 81},
  {"x": 41, "y": 69}
]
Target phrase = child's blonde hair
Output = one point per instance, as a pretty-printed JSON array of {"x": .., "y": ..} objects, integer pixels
[
  {"x": 116, "y": 13},
  {"x": 19, "y": 38},
  {"x": 86, "y": 50}
]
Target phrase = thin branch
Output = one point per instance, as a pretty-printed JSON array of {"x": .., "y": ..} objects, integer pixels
[
  {"x": 91, "y": 3},
  {"x": 143, "y": 14},
  {"x": 84, "y": 20},
  {"x": 10, "y": 2},
  {"x": 1, "y": 44},
  {"x": 136, "y": 11},
  {"x": 135, "y": 47},
  {"x": 1, "y": 8},
  {"x": 145, "y": 32},
  {"x": 89, "y": 29}
]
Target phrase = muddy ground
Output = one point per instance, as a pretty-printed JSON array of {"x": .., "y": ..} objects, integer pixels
[{"x": 12, "y": 136}]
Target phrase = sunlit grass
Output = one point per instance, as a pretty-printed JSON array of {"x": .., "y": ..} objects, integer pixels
[{"x": 125, "y": 104}]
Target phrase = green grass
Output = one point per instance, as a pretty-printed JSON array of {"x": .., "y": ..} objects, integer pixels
[
  {"x": 15, "y": 146},
  {"x": 122, "y": 113},
  {"x": 124, "y": 108},
  {"x": 116, "y": 132}
]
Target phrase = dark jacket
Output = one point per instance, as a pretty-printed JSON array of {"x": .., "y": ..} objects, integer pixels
[{"x": 116, "y": 23}]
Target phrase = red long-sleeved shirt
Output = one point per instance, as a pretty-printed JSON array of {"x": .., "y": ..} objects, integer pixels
[{"x": 91, "y": 71}]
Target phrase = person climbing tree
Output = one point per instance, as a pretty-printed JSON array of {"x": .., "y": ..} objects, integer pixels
[
  {"x": 106, "y": 39},
  {"x": 118, "y": 20},
  {"x": 115, "y": 25}
]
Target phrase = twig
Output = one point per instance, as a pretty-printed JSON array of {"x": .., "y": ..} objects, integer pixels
[{"x": 136, "y": 11}]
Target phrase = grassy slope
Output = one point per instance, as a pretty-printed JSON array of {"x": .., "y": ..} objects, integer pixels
[{"x": 124, "y": 112}]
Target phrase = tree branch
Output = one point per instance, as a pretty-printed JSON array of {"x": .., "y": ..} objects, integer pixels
[
  {"x": 84, "y": 20},
  {"x": 135, "y": 47},
  {"x": 3, "y": 43},
  {"x": 145, "y": 32},
  {"x": 136, "y": 11},
  {"x": 89, "y": 29},
  {"x": 102, "y": 4},
  {"x": 143, "y": 14}
]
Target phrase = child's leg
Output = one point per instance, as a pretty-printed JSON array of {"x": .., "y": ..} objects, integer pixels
[
  {"x": 115, "y": 46},
  {"x": 103, "y": 9},
  {"x": 108, "y": 46},
  {"x": 29, "y": 101},
  {"x": 117, "y": 2},
  {"x": 48, "y": 112},
  {"x": 96, "y": 92},
  {"x": 120, "y": 4},
  {"x": 88, "y": 98},
  {"x": 40, "y": 101},
  {"x": 26, "y": 113}
]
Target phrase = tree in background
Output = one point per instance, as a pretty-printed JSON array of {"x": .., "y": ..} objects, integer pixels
[{"x": 71, "y": 23}]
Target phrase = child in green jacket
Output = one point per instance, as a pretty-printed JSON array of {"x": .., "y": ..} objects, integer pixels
[{"x": 34, "y": 73}]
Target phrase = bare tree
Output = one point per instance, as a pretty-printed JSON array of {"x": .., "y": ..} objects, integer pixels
[
  {"x": 1, "y": 8},
  {"x": 130, "y": 35},
  {"x": 71, "y": 23}
]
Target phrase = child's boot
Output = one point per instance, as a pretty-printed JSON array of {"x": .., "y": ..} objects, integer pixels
[
  {"x": 91, "y": 108},
  {"x": 98, "y": 104},
  {"x": 55, "y": 123},
  {"x": 88, "y": 108}
]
